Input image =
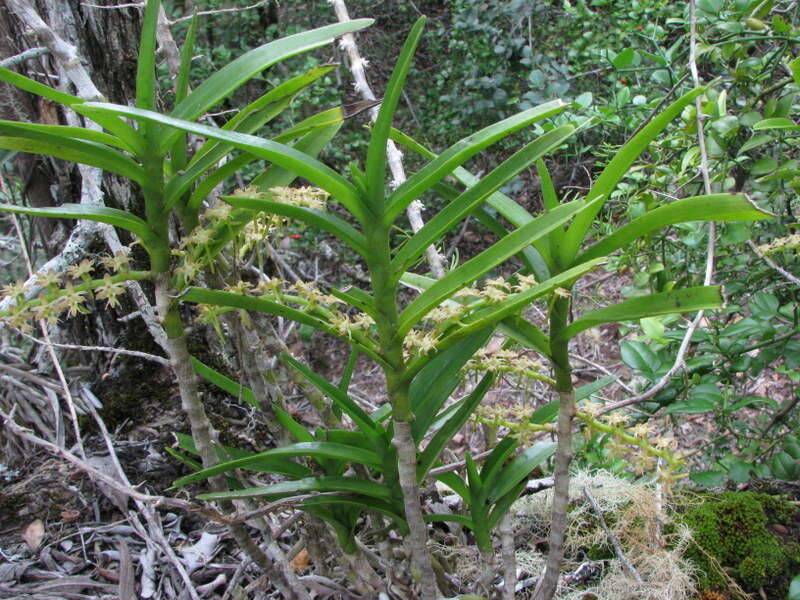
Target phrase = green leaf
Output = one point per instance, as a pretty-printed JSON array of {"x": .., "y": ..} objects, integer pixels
[
  {"x": 447, "y": 162},
  {"x": 493, "y": 464},
  {"x": 713, "y": 207},
  {"x": 306, "y": 486},
  {"x": 445, "y": 435},
  {"x": 477, "y": 267},
  {"x": 623, "y": 59},
  {"x": 455, "y": 483},
  {"x": 433, "y": 385},
  {"x": 101, "y": 214},
  {"x": 376, "y": 153},
  {"x": 466, "y": 203},
  {"x": 316, "y": 218},
  {"x": 365, "y": 503},
  {"x": 639, "y": 357},
  {"x": 295, "y": 429},
  {"x": 78, "y": 151},
  {"x": 519, "y": 468},
  {"x": 225, "y": 81},
  {"x": 187, "y": 53},
  {"x": 463, "y": 520},
  {"x": 55, "y": 133},
  {"x": 224, "y": 383},
  {"x": 317, "y": 450},
  {"x": 776, "y": 123},
  {"x": 337, "y": 396},
  {"x": 665, "y": 303},
  {"x": 615, "y": 170},
  {"x": 525, "y": 333},
  {"x": 146, "y": 65},
  {"x": 280, "y": 154},
  {"x": 708, "y": 478}
]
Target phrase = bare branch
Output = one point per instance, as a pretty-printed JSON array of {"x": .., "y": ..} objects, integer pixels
[
  {"x": 23, "y": 56},
  {"x": 152, "y": 357}
]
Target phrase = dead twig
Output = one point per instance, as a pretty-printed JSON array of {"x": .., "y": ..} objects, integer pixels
[{"x": 626, "y": 564}]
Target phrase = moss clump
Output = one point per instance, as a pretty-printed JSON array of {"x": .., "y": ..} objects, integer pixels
[{"x": 733, "y": 528}]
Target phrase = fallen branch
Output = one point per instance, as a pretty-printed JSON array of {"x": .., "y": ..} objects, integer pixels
[{"x": 626, "y": 564}]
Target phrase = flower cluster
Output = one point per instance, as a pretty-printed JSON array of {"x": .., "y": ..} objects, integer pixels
[
  {"x": 636, "y": 443},
  {"x": 306, "y": 295},
  {"x": 67, "y": 292},
  {"x": 418, "y": 342},
  {"x": 497, "y": 289},
  {"x": 515, "y": 417},
  {"x": 505, "y": 361}
]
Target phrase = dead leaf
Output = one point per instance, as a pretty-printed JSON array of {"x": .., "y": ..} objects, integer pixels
[
  {"x": 70, "y": 515},
  {"x": 33, "y": 534},
  {"x": 301, "y": 561}
]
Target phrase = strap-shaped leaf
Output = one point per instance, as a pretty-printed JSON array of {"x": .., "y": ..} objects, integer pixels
[
  {"x": 712, "y": 207},
  {"x": 279, "y": 466},
  {"x": 455, "y": 483},
  {"x": 502, "y": 506},
  {"x": 280, "y": 154},
  {"x": 493, "y": 464},
  {"x": 146, "y": 65},
  {"x": 34, "y": 87},
  {"x": 78, "y": 151},
  {"x": 225, "y": 81},
  {"x": 525, "y": 333},
  {"x": 297, "y": 431},
  {"x": 462, "y": 520},
  {"x": 519, "y": 468},
  {"x": 332, "y": 116},
  {"x": 55, "y": 132},
  {"x": 364, "y": 502},
  {"x": 466, "y": 203},
  {"x": 110, "y": 123},
  {"x": 286, "y": 89},
  {"x": 483, "y": 263},
  {"x": 445, "y": 163},
  {"x": 616, "y": 169},
  {"x": 306, "y": 486},
  {"x": 316, "y": 218},
  {"x": 340, "y": 398},
  {"x": 376, "y": 153},
  {"x": 676, "y": 301},
  {"x": 224, "y": 383},
  {"x": 317, "y": 450},
  {"x": 445, "y": 435},
  {"x": 433, "y": 385},
  {"x": 101, "y": 214},
  {"x": 237, "y": 301}
]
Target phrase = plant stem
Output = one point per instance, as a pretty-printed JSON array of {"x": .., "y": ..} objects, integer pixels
[
  {"x": 385, "y": 292},
  {"x": 508, "y": 557},
  {"x": 204, "y": 438},
  {"x": 559, "y": 315}
]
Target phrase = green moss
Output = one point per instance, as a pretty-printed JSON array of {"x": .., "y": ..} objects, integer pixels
[{"x": 733, "y": 528}]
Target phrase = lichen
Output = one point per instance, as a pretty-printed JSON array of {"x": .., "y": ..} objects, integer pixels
[{"x": 731, "y": 534}]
